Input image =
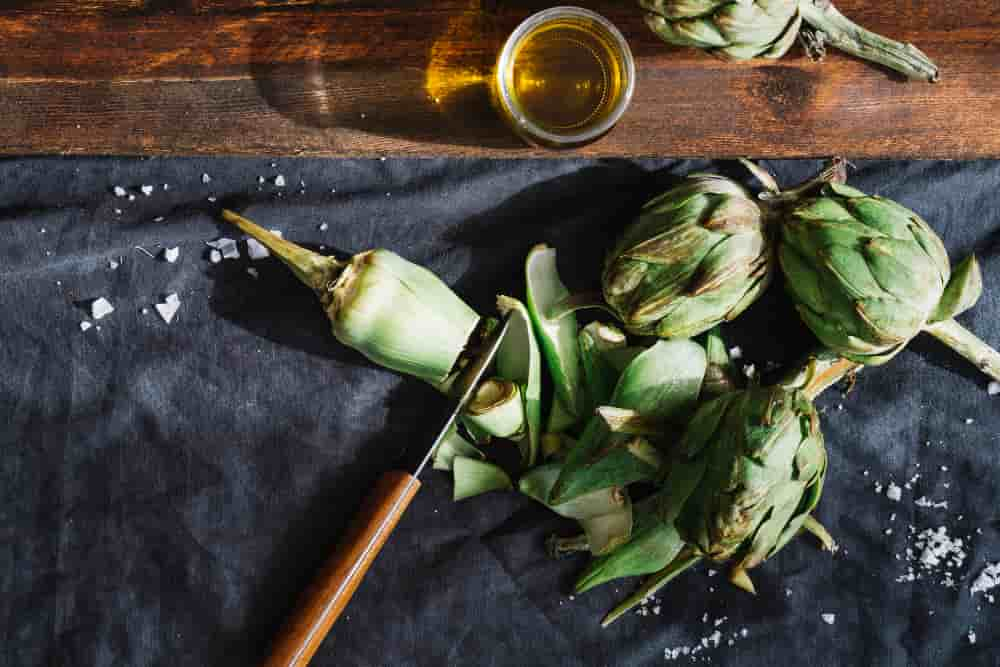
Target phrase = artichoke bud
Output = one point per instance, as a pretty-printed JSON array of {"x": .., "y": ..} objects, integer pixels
[
  {"x": 396, "y": 313},
  {"x": 764, "y": 460},
  {"x": 697, "y": 255}
]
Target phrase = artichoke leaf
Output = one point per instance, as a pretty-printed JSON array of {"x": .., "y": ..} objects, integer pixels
[
  {"x": 519, "y": 359},
  {"x": 962, "y": 291},
  {"x": 452, "y": 446},
  {"x": 473, "y": 477}
]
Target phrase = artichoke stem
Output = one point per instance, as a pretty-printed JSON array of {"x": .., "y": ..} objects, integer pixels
[
  {"x": 814, "y": 527},
  {"x": 835, "y": 172},
  {"x": 841, "y": 32},
  {"x": 315, "y": 270},
  {"x": 967, "y": 344},
  {"x": 653, "y": 583}
]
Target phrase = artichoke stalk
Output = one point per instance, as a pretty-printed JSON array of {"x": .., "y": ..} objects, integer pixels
[
  {"x": 697, "y": 255},
  {"x": 396, "y": 313},
  {"x": 867, "y": 275},
  {"x": 745, "y": 29}
]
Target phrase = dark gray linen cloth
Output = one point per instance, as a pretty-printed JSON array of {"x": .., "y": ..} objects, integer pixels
[{"x": 166, "y": 491}]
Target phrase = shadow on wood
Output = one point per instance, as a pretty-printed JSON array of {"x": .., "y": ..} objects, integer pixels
[{"x": 438, "y": 96}]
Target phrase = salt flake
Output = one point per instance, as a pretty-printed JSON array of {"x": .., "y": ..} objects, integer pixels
[
  {"x": 100, "y": 308},
  {"x": 168, "y": 309},
  {"x": 829, "y": 619},
  {"x": 171, "y": 254}
]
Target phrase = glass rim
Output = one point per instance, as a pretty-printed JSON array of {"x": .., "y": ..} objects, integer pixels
[{"x": 522, "y": 122}]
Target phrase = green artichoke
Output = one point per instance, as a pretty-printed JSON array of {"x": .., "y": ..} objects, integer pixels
[
  {"x": 746, "y": 475},
  {"x": 745, "y": 29},
  {"x": 697, "y": 255},
  {"x": 764, "y": 463},
  {"x": 867, "y": 275}
]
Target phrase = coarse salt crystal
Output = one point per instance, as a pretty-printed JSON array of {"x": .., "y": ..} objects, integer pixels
[
  {"x": 112, "y": 264},
  {"x": 256, "y": 250},
  {"x": 171, "y": 254},
  {"x": 988, "y": 579},
  {"x": 736, "y": 352},
  {"x": 85, "y": 325},
  {"x": 100, "y": 308},
  {"x": 829, "y": 619},
  {"x": 214, "y": 256},
  {"x": 970, "y": 420},
  {"x": 168, "y": 309},
  {"x": 749, "y": 370},
  {"x": 226, "y": 246},
  {"x": 323, "y": 227},
  {"x": 147, "y": 190},
  {"x": 972, "y": 636},
  {"x": 894, "y": 492},
  {"x": 253, "y": 273},
  {"x": 993, "y": 389},
  {"x": 279, "y": 181},
  {"x": 131, "y": 197},
  {"x": 206, "y": 179},
  {"x": 120, "y": 191}
]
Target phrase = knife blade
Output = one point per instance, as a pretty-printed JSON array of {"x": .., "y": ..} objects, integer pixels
[{"x": 329, "y": 593}]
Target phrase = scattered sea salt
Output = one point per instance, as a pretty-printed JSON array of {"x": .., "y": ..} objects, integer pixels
[
  {"x": 206, "y": 179},
  {"x": 256, "y": 250},
  {"x": 85, "y": 325},
  {"x": 169, "y": 307},
  {"x": 120, "y": 191},
  {"x": 112, "y": 264},
  {"x": 253, "y": 273},
  {"x": 924, "y": 501},
  {"x": 323, "y": 227},
  {"x": 987, "y": 580},
  {"x": 226, "y": 246},
  {"x": 171, "y": 254},
  {"x": 158, "y": 218},
  {"x": 993, "y": 389},
  {"x": 118, "y": 211},
  {"x": 101, "y": 307},
  {"x": 279, "y": 181},
  {"x": 970, "y": 420},
  {"x": 147, "y": 190},
  {"x": 829, "y": 619},
  {"x": 894, "y": 492},
  {"x": 972, "y": 636},
  {"x": 214, "y": 256},
  {"x": 166, "y": 186},
  {"x": 749, "y": 370},
  {"x": 211, "y": 199},
  {"x": 131, "y": 197}
]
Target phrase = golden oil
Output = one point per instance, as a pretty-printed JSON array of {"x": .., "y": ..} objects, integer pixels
[{"x": 564, "y": 77}]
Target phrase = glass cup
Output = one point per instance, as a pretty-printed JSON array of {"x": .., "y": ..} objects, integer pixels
[{"x": 564, "y": 77}]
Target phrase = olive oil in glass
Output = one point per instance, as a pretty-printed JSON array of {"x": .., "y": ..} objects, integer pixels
[{"x": 564, "y": 77}]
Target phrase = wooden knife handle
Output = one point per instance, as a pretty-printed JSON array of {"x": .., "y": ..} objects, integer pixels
[{"x": 331, "y": 590}]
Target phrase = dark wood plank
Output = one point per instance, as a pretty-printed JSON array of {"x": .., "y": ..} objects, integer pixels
[{"x": 344, "y": 77}]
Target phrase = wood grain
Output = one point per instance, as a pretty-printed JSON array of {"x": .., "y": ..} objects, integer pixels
[
  {"x": 331, "y": 590},
  {"x": 345, "y": 77}
]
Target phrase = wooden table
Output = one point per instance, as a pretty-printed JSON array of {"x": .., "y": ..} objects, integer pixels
[{"x": 406, "y": 77}]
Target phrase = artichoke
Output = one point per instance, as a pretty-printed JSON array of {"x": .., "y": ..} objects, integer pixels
[
  {"x": 396, "y": 313},
  {"x": 745, "y": 29},
  {"x": 699, "y": 254},
  {"x": 747, "y": 473},
  {"x": 867, "y": 275}
]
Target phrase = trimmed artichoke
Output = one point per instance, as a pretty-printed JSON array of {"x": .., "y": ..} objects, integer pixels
[
  {"x": 698, "y": 255},
  {"x": 745, "y": 29},
  {"x": 396, "y": 313},
  {"x": 867, "y": 275}
]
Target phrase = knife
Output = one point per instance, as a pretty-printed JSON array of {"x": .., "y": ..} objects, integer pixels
[{"x": 328, "y": 594}]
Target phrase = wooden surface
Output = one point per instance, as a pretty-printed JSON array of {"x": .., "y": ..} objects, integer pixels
[
  {"x": 404, "y": 77},
  {"x": 336, "y": 582}
]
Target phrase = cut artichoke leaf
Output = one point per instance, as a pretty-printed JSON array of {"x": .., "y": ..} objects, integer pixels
[
  {"x": 607, "y": 532},
  {"x": 520, "y": 360},
  {"x": 498, "y": 409},
  {"x": 557, "y": 337},
  {"x": 597, "y": 340},
  {"x": 720, "y": 375},
  {"x": 560, "y": 419},
  {"x": 396, "y": 313},
  {"x": 683, "y": 562},
  {"x": 479, "y": 435},
  {"x": 662, "y": 383},
  {"x": 962, "y": 291},
  {"x": 630, "y": 422},
  {"x": 454, "y": 445},
  {"x": 473, "y": 477},
  {"x": 653, "y": 545}
]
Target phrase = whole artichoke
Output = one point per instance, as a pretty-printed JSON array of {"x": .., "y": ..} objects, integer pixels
[
  {"x": 744, "y": 29},
  {"x": 696, "y": 256},
  {"x": 762, "y": 461},
  {"x": 868, "y": 274}
]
